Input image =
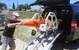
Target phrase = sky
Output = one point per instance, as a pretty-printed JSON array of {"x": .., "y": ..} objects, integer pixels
[
  {"x": 10, "y": 2},
  {"x": 72, "y": 1}
]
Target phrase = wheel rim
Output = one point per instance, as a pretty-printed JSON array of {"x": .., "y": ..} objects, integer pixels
[{"x": 52, "y": 21}]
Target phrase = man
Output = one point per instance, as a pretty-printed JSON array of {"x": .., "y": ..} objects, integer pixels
[{"x": 7, "y": 38}]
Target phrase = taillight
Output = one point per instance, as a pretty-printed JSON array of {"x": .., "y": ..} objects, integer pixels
[{"x": 74, "y": 25}]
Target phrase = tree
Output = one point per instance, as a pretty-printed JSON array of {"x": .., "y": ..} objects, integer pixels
[
  {"x": 3, "y": 5},
  {"x": 20, "y": 7},
  {"x": 27, "y": 6},
  {"x": 23, "y": 7},
  {"x": 13, "y": 7}
]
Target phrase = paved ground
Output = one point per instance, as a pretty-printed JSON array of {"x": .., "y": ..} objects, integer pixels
[{"x": 20, "y": 45}]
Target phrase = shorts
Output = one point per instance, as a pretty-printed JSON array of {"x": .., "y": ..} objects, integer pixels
[{"x": 7, "y": 41}]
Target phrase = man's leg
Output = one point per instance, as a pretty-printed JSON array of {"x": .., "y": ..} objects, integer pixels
[
  {"x": 12, "y": 44},
  {"x": 4, "y": 43}
]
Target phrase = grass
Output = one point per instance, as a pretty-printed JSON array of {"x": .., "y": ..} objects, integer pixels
[
  {"x": 23, "y": 33},
  {"x": 1, "y": 31},
  {"x": 23, "y": 14}
]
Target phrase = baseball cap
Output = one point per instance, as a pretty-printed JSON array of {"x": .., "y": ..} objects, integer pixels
[{"x": 16, "y": 14}]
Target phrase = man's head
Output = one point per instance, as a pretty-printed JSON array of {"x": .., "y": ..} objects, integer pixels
[{"x": 14, "y": 16}]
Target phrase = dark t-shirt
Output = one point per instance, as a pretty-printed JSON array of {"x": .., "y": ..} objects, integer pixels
[{"x": 9, "y": 32}]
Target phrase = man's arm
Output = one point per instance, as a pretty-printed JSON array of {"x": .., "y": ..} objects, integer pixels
[
  {"x": 11, "y": 25},
  {"x": 31, "y": 23}
]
